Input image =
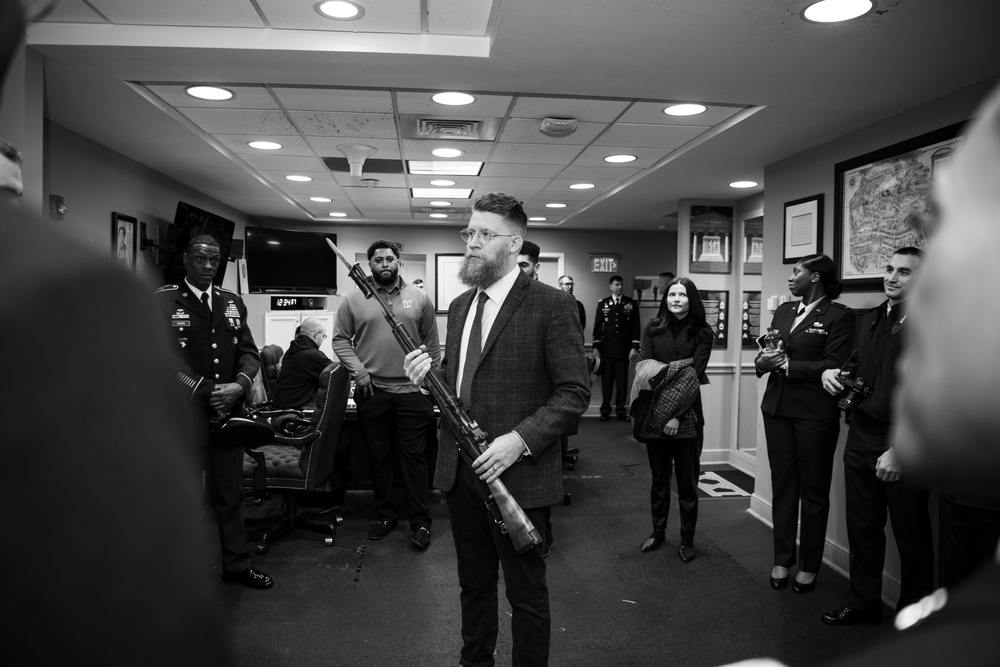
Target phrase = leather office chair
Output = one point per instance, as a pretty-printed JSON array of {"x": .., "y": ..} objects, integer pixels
[
  {"x": 305, "y": 462},
  {"x": 270, "y": 355}
]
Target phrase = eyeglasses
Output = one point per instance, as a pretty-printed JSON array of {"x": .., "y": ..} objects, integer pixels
[{"x": 485, "y": 237}]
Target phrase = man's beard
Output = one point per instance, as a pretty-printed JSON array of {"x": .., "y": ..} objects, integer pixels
[
  {"x": 486, "y": 271},
  {"x": 391, "y": 280}
]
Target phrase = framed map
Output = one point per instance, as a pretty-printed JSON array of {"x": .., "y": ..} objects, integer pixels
[{"x": 883, "y": 202}]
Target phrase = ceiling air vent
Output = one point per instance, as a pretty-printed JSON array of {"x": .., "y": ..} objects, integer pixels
[
  {"x": 443, "y": 127},
  {"x": 430, "y": 128}
]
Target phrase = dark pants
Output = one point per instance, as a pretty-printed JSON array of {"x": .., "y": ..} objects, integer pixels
[
  {"x": 683, "y": 456},
  {"x": 481, "y": 549},
  {"x": 869, "y": 503},
  {"x": 614, "y": 377},
  {"x": 389, "y": 420},
  {"x": 801, "y": 453},
  {"x": 224, "y": 480},
  {"x": 967, "y": 539}
]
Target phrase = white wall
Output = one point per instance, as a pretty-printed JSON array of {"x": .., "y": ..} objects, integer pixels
[{"x": 811, "y": 172}]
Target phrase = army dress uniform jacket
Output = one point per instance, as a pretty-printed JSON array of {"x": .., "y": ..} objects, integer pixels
[
  {"x": 616, "y": 328},
  {"x": 211, "y": 348}
]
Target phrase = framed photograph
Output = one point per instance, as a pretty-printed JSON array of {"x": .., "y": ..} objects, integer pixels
[
  {"x": 803, "y": 228},
  {"x": 883, "y": 202},
  {"x": 123, "y": 239},
  {"x": 751, "y": 320},
  {"x": 648, "y": 290},
  {"x": 446, "y": 282},
  {"x": 711, "y": 239}
]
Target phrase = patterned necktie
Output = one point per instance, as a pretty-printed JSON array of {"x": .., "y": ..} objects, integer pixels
[{"x": 473, "y": 352}]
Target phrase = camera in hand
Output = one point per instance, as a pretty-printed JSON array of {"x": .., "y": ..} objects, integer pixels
[{"x": 857, "y": 390}]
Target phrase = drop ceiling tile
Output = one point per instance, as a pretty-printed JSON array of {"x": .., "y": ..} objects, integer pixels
[
  {"x": 560, "y": 154},
  {"x": 520, "y": 170},
  {"x": 245, "y": 97},
  {"x": 285, "y": 163},
  {"x": 583, "y": 109},
  {"x": 240, "y": 121},
  {"x": 290, "y": 145},
  {"x": 593, "y": 174},
  {"x": 420, "y": 103},
  {"x": 336, "y": 124},
  {"x": 213, "y": 13},
  {"x": 321, "y": 184},
  {"x": 458, "y": 17},
  {"x": 399, "y": 16},
  {"x": 568, "y": 196},
  {"x": 384, "y": 180},
  {"x": 525, "y": 130},
  {"x": 645, "y": 157},
  {"x": 561, "y": 188},
  {"x": 334, "y": 99},
  {"x": 652, "y": 112},
  {"x": 385, "y": 149},
  {"x": 420, "y": 149},
  {"x": 650, "y": 136},
  {"x": 72, "y": 11},
  {"x": 337, "y": 198},
  {"x": 389, "y": 196},
  {"x": 491, "y": 183}
]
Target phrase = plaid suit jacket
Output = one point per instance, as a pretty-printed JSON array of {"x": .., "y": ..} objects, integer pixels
[{"x": 532, "y": 378}]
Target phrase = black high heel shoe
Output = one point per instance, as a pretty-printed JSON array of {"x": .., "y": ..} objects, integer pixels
[
  {"x": 799, "y": 587},
  {"x": 777, "y": 583},
  {"x": 651, "y": 542}
]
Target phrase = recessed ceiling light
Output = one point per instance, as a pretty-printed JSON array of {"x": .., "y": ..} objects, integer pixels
[
  {"x": 274, "y": 243},
  {"x": 434, "y": 193},
  {"x": 298, "y": 179},
  {"x": 439, "y": 215},
  {"x": 620, "y": 158},
  {"x": 555, "y": 206},
  {"x": 443, "y": 183},
  {"x": 835, "y": 11},
  {"x": 264, "y": 145},
  {"x": 743, "y": 184},
  {"x": 581, "y": 186},
  {"x": 340, "y": 10},
  {"x": 453, "y": 99},
  {"x": 338, "y": 214},
  {"x": 436, "y": 168},
  {"x": 537, "y": 219},
  {"x": 322, "y": 200},
  {"x": 211, "y": 93},
  {"x": 440, "y": 203},
  {"x": 685, "y": 110},
  {"x": 447, "y": 152}
]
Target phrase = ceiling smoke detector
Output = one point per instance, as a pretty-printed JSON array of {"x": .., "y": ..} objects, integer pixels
[
  {"x": 557, "y": 127},
  {"x": 369, "y": 183}
]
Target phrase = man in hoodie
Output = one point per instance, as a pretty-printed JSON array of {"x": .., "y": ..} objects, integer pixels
[{"x": 301, "y": 366}]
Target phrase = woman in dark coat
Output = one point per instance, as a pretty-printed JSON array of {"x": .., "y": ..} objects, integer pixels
[
  {"x": 679, "y": 331},
  {"x": 801, "y": 421}
]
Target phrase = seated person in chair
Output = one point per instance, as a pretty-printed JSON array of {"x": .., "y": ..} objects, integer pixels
[{"x": 298, "y": 380}]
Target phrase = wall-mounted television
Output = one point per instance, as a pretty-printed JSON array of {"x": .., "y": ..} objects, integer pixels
[
  {"x": 280, "y": 260},
  {"x": 191, "y": 221}
]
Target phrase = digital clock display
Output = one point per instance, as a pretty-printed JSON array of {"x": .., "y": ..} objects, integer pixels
[{"x": 298, "y": 303}]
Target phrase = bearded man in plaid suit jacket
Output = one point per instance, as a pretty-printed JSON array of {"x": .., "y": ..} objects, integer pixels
[{"x": 527, "y": 386}]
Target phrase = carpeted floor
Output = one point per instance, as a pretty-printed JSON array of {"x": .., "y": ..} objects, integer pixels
[{"x": 383, "y": 603}]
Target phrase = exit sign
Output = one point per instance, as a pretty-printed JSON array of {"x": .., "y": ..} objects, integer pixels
[{"x": 604, "y": 263}]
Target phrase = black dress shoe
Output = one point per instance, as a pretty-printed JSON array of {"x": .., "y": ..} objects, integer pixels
[
  {"x": 686, "y": 554},
  {"x": 421, "y": 538},
  {"x": 848, "y": 616},
  {"x": 777, "y": 583},
  {"x": 651, "y": 542},
  {"x": 624, "y": 418},
  {"x": 798, "y": 587},
  {"x": 249, "y": 577},
  {"x": 381, "y": 528},
  {"x": 605, "y": 418}
]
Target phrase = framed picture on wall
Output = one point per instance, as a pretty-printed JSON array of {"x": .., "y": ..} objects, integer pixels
[
  {"x": 716, "y": 302},
  {"x": 648, "y": 290},
  {"x": 446, "y": 281},
  {"x": 750, "y": 314},
  {"x": 123, "y": 239},
  {"x": 803, "y": 228},
  {"x": 883, "y": 202}
]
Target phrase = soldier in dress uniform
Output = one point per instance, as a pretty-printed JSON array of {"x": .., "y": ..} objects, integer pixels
[
  {"x": 616, "y": 342},
  {"x": 217, "y": 361}
]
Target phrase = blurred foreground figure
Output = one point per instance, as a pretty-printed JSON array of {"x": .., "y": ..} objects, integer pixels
[{"x": 104, "y": 556}]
